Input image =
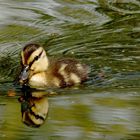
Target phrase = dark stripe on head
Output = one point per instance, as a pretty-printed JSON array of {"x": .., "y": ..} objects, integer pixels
[
  {"x": 35, "y": 59},
  {"x": 36, "y": 115},
  {"x": 28, "y": 50}
]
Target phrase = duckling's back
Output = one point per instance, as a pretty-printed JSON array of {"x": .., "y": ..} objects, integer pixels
[{"x": 67, "y": 72}]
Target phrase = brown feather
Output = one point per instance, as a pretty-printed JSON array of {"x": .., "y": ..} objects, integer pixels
[{"x": 28, "y": 50}]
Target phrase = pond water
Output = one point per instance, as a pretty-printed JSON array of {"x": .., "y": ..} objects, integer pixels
[{"x": 105, "y": 34}]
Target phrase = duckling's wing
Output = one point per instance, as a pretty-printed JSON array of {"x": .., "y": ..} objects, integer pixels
[{"x": 69, "y": 71}]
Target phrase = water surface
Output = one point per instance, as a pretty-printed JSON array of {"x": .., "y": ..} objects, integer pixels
[{"x": 103, "y": 34}]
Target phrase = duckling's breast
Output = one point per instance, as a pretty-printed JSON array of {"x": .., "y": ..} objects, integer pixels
[{"x": 38, "y": 80}]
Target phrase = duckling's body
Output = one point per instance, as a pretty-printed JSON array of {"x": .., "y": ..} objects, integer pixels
[
  {"x": 40, "y": 71},
  {"x": 60, "y": 73}
]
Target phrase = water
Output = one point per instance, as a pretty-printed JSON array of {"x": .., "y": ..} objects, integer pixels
[{"x": 103, "y": 34}]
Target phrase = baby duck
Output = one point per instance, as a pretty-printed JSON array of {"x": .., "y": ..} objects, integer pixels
[{"x": 39, "y": 71}]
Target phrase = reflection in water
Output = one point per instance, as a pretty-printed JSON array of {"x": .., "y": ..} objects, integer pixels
[
  {"x": 102, "y": 33},
  {"x": 34, "y": 108},
  {"x": 104, "y": 115}
]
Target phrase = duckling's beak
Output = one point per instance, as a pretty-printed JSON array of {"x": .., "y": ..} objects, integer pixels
[{"x": 23, "y": 77}]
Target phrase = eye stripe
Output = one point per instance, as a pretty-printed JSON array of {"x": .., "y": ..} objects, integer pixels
[
  {"x": 35, "y": 58},
  {"x": 33, "y": 54},
  {"x": 36, "y": 115}
]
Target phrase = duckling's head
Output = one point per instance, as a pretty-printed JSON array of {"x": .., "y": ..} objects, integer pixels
[{"x": 33, "y": 60}]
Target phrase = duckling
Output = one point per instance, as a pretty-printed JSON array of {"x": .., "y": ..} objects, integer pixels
[{"x": 40, "y": 71}]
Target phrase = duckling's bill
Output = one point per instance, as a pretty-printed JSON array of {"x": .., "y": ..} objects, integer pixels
[{"x": 23, "y": 77}]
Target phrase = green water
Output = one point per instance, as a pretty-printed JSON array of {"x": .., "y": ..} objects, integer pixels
[{"x": 103, "y": 34}]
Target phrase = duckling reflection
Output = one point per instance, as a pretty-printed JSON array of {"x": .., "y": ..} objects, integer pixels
[{"x": 34, "y": 108}]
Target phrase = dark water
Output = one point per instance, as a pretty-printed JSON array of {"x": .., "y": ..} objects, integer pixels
[{"x": 103, "y": 34}]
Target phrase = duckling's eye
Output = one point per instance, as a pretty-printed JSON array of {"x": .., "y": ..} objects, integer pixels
[{"x": 36, "y": 58}]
